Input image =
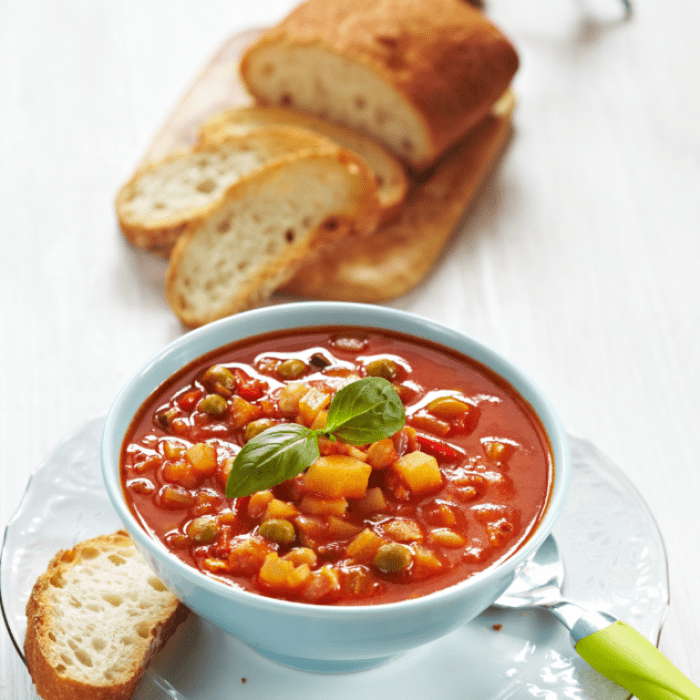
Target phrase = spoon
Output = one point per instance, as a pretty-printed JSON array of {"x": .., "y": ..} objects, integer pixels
[{"x": 611, "y": 646}]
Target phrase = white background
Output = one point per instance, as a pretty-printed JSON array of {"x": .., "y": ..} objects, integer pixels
[{"x": 579, "y": 261}]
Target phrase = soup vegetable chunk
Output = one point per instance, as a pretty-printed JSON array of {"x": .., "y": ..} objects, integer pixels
[{"x": 456, "y": 487}]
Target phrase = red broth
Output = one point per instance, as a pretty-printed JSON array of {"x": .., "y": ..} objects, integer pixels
[{"x": 459, "y": 488}]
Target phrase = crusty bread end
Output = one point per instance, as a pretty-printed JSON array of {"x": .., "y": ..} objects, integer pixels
[{"x": 95, "y": 618}]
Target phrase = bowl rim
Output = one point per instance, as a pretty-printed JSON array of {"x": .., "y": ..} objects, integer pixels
[{"x": 322, "y": 313}]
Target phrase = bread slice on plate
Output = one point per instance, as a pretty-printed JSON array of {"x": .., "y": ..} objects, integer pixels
[
  {"x": 390, "y": 172},
  {"x": 267, "y": 225},
  {"x": 403, "y": 251},
  {"x": 415, "y": 75},
  {"x": 157, "y": 203},
  {"x": 95, "y": 618}
]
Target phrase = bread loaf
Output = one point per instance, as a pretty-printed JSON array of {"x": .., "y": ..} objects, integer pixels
[
  {"x": 95, "y": 618},
  {"x": 415, "y": 75},
  {"x": 267, "y": 225},
  {"x": 157, "y": 203},
  {"x": 391, "y": 176}
]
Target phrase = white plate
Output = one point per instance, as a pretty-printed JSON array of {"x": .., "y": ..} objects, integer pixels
[{"x": 614, "y": 556}]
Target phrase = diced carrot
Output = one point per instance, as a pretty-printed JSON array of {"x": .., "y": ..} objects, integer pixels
[
  {"x": 302, "y": 555},
  {"x": 173, "y": 449},
  {"x": 425, "y": 562},
  {"x": 419, "y": 472},
  {"x": 247, "y": 555},
  {"x": 319, "y": 505},
  {"x": 382, "y": 454},
  {"x": 363, "y": 547},
  {"x": 338, "y": 475},
  {"x": 242, "y": 412},
  {"x": 202, "y": 458},
  {"x": 312, "y": 403},
  {"x": 278, "y": 509},
  {"x": 321, "y": 584},
  {"x": 180, "y": 473},
  {"x": 175, "y": 497},
  {"x": 442, "y": 515},
  {"x": 274, "y": 571},
  {"x": 373, "y": 501},
  {"x": 341, "y": 529},
  {"x": 289, "y": 397},
  {"x": 258, "y": 502},
  {"x": 319, "y": 422},
  {"x": 223, "y": 470},
  {"x": 312, "y": 529}
]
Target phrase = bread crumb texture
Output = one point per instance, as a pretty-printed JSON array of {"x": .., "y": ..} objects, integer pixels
[{"x": 95, "y": 618}]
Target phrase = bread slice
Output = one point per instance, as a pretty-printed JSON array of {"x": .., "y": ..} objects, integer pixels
[
  {"x": 95, "y": 618},
  {"x": 268, "y": 224},
  {"x": 157, "y": 203},
  {"x": 390, "y": 172},
  {"x": 403, "y": 251},
  {"x": 415, "y": 75}
]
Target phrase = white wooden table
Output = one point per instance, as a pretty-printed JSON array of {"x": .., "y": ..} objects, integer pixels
[{"x": 579, "y": 261}]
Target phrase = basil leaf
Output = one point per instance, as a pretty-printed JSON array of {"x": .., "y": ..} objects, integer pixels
[
  {"x": 365, "y": 411},
  {"x": 271, "y": 457}
]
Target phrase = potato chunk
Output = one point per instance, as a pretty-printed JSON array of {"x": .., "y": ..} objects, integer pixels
[
  {"x": 337, "y": 476},
  {"x": 419, "y": 472}
]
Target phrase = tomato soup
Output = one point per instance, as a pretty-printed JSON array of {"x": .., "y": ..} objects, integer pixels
[{"x": 459, "y": 488}]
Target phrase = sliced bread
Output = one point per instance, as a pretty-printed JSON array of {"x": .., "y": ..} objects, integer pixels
[
  {"x": 267, "y": 225},
  {"x": 415, "y": 75},
  {"x": 402, "y": 252},
  {"x": 95, "y": 618},
  {"x": 157, "y": 203},
  {"x": 390, "y": 172}
]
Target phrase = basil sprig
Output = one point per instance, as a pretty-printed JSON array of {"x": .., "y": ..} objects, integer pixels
[{"x": 361, "y": 412}]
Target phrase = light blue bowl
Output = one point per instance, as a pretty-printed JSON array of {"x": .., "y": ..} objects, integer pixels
[{"x": 320, "y": 638}]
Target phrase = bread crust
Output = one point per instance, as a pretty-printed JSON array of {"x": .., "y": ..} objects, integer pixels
[
  {"x": 445, "y": 57},
  {"x": 41, "y": 620}
]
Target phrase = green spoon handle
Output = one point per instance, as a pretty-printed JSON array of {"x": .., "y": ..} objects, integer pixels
[{"x": 624, "y": 656}]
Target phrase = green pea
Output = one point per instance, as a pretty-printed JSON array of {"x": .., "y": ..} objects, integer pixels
[
  {"x": 203, "y": 530},
  {"x": 213, "y": 404},
  {"x": 393, "y": 558},
  {"x": 383, "y": 367},
  {"x": 291, "y": 369},
  {"x": 256, "y": 427},
  {"x": 280, "y": 531},
  {"x": 219, "y": 375}
]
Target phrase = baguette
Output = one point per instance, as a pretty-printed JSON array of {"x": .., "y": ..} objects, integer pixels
[
  {"x": 95, "y": 618},
  {"x": 415, "y": 75},
  {"x": 391, "y": 175},
  {"x": 268, "y": 224},
  {"x": 403, "y": 251},
  {"x": 161, "y": 198}
]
